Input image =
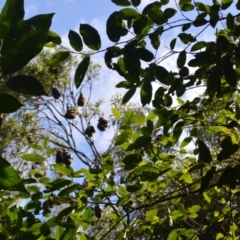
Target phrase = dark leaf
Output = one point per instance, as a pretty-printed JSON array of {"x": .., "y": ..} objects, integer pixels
[
  {"x": 207, "y": 179},
  {"x": 81, "y": 71},
  {"x": 9, "y": 179},
  {"x": 162, "y": 75},
  {"x": 154, "y": 37},
  {"x": 169, "y": 12},
  {"x": 124, "y": 3},
  {"x": 145, "y": 54},
  {"x": 131, "y": 60},
  {"x": 135, "y": 3},
  {"x": 186, "y": 38},
  {"x": 131, "y": 161},
  {"x": 128, "y": 95},
  {"x": 198, "y": 46},
  {"x": 8, "y": 103},
  {"x": 140, "y": 142},
  {"x": 140, "y": 24},
  {"x": 75, "y": 40},
  {"x": 204, "y": 153},
  {"x": 114, "y": 27},
  {"x": 173, "y": 43},
  {"x": 90, "y": 36},
  {"x": 12, "y": 12},
  {"x": 53, "y": 38},
  {"x": 229, "y": 71},
  {"x": 58, "y": 184},
  {"x": 128, "y": 13},
  {"x": 69, "y": 190},
  {"x": 186, "y": 26},
  {"x": 25, "y": 40},
  {"x": 26, "y": 85},
  {"x": 146, "y": 93},
  {"x": 134, "y": 188},
  {"x": 181, "y": 60}
]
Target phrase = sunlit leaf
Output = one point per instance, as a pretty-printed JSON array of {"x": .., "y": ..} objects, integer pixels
[
  {"x": 33, "y": 157},
  {"x": 12, "y": 11},
  {"x": 58, "y": 58},
  {"x": 9, "y": 179}
]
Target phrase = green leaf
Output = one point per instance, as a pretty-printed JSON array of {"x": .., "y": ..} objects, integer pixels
[
  {"x": 123, "y": 3},
  {"x": 162, "y": 75},
  {"x": 33, "y": 157},
  {"x": 25, "y": 40},
  {"x": 173, "y": 235},
  {"x": 140, "y": 142},
  {"x": 180, "y": 101},
  {"x": 129, "y": 117},
  {"x": 155, "y": 41},
  {"x": 128, "y": 13},
  {"x": 9, "y": 179},
  {"x": 35, "y": 146},
  {"x": 26, "y": 85},
  {"x": 90, "y": 36},
  {"x": 81, "y": 71},
  {"x": 88, "y": 215},
  {"x": 12, "y": 103},
  {"x": 193, "y": 209},
  {"x": 69, "y": 190},
  {"x": 53, "y": 38},
  {"x": 46, "y": 141},
  {"x": 12, "y": 12},
  {"x": 146, "y": 93},
  {"x": 123, "y": 137},
  {"x": 169, "y": 12},
  {"x": 131, "y": 161},
  {"x": 75, "y": 41},
  {"x": 181, "y": 60},
  {"x": 128, "y": 95},
  {"x": 58, "y": 184},
  {"x": 187, "y": 7},
  {"x": 226, "y": 4},
  {"x": 185, "y": 142},
  {"x": 13, "y": 219},
  {"x": 186, "y": 38},
  {"x": 58, "y": 58},
  {"x": 116, "y": 113},
  {"x": 204, "y": 152}
]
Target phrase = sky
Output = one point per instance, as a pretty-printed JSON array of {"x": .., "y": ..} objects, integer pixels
[{"x": 70, "y": 13}]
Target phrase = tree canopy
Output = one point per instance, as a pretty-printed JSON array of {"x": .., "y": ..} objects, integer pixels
[{"x": 171, "y": 170}]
